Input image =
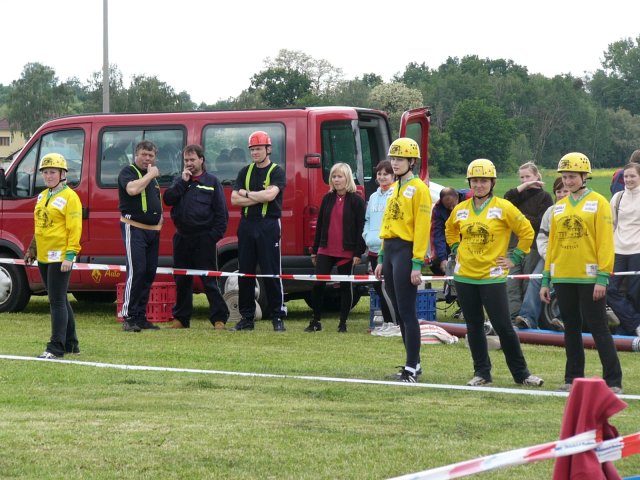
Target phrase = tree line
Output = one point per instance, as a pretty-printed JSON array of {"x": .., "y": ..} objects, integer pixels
[{"x": 480, "y": 107}]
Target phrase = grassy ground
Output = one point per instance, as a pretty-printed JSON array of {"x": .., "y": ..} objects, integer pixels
[{"x": 73, "y": 421}]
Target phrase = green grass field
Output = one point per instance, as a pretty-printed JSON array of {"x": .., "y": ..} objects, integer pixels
[{"x": 76, "y": 421}]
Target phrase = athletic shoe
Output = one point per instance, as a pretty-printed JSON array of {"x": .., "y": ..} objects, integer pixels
[
  {"x": 391, "y": 331},
  {"x": 565, "y": 387},
  {"x": 278, "y": 325},
  {"x": 314, "y": 326},
  {"x": 522, "y": 322},
  {"x": 129, "y": 326},
  {"x": 385, "y": 326},
  {"x": 147, "y": 325},
  {"x": 406, "y": 377},
  {"x": 219, "y": 325},
  {"x": 616, "y": 390},
  {"x": 47, "y": 356},
  {"x": 396, "y": 376},
  {"x": 342, "y": 328},
  {"x": 244, "y": 324},
  {"x": 532, "y": 381},
  {"x": 75, "y": 350},
  {"x": 557, "y": 324},
  {"x": 175, "y": 323},
  {"x": 612, "y": 317},
  {"x": 478, "y": 381}
]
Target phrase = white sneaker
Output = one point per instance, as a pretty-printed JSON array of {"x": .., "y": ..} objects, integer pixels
[
  {"x": 612, "y": 317},
  {"x": 47, "y": 356},
  {"x": 478, "y": 381},
  {"x": 532, "y": 381}
]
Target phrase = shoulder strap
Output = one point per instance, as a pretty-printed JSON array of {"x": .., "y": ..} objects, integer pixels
[
  {"x": 143, "y": 194},
  {"x": 267, "y": 182}
]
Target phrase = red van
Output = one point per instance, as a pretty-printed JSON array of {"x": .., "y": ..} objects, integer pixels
[{"x": 306, "y": 142}]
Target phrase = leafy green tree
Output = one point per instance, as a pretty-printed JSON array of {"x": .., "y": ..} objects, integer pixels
[
  {"x": 482, "y": 131},
  {"x": 323, "y": 76},
  {"x": 280, "y": 87},
  {"x": 148, "y": 94},
  {"x": 617, "y": 85},
  {"x": 444, "y": 155},
  {"x": 395, "y": 98},
  {"x": 117, "y": 92},
  {"x": 36, "y": 97}
]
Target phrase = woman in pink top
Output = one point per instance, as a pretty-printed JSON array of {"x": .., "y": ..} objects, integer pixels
[{"x": 338, "y": 241}]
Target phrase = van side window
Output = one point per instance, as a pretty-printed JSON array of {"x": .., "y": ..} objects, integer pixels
[
  {"x": 117, "y": 147},
  {"x": 338, "y": 145},
  {"x": 226, "y": 151},
  {"x": 414, "y": 131},
  {"x": 68, "y": 143}
]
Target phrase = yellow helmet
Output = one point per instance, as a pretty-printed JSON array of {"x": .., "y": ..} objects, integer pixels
[
  {"x": 574, "y": 162},
  {"x": 53, "y": 160},
  {"x": 405, "y": 148},
  {"x": 481, "y": 168}
]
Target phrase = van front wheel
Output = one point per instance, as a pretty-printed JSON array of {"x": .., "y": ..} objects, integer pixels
[{"x": 14, "y": 287}]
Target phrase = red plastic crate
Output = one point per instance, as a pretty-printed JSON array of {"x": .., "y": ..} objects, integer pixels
[{"x": 162, "y": 297}]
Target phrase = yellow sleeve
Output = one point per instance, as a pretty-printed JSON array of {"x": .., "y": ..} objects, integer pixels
[
  {"x": 421, "y": 225},
  {"x": 452, "y": 228},
  {"x": 604, "y": 237},
  {"x": 74, "y": 223}
]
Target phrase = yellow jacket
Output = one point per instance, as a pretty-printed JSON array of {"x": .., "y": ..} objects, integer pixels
[
  {"x": 58, "y": 226},
  {"x": 408, "y": 216},
  {"x": 480, "y": 236},
  {"x": 581, "y": 248}
]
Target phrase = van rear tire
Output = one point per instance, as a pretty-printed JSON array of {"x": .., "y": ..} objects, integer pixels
[{"x": 14, "y": 287}]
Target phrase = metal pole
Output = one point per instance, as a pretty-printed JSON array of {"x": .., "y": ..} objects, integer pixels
[{"x": 105, "y": 56}]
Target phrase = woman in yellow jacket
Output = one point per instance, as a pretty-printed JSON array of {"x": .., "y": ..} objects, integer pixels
[
  {"x": 580, "y": 257},
  {"x": 478, "y": 232},
  {"x": 404, "y": 231},
  {"x": 58, "y": 227}
]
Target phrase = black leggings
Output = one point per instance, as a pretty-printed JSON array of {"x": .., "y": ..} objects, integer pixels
[
  {"x": 396, "y": 269},
  {"x": 324, "y": 264},
  {"x": 63, "y": 323},
  {"x": 493, "y": 297},
  {"x": 577, "y": 306}
]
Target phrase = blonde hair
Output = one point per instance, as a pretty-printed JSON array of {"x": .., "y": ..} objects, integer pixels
[
  {"x": 348, "y": 174},
  {"x": 533, "y": 167}
]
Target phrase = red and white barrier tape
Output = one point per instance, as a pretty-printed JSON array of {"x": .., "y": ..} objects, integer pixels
[
  {"x": 606, "y": 451},
  {"x": 310, "y": 277}
]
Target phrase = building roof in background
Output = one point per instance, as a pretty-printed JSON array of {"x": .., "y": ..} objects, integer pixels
[{"x": 4, "y": 124}]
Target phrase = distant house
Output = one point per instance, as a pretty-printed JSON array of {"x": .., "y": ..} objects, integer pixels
[{"x": 10, "y": 142}]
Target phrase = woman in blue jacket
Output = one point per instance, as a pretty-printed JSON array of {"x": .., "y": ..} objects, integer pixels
[{"x": 372, "y": 222}]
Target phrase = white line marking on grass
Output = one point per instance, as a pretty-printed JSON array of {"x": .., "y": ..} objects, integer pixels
[{"x": 147, "y": 368}]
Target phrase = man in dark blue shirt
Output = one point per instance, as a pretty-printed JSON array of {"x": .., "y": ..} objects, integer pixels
[{"x": 199, "y": 212}]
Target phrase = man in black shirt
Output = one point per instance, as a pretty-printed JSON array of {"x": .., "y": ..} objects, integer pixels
[
  {"x": 258, "y": 191},
  {"x": 140, "y": 224}
]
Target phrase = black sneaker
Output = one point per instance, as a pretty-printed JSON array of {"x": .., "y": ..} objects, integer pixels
[
  {"x": 314, "y": 326},
  {"x": 243, "y": 324},
  {"x": 147, "y": 325},
  {"x": 342, "y": 328},
  {"x": 396, "y": 376},
  {"x": 407, "y": 377},
  {"x": 75, "y": 350},
  {"x": 278, "y": 325},
  {"x": 130, "y": 326}
]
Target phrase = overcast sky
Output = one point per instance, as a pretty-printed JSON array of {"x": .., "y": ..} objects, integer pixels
[{"x": 211, "y": 49}]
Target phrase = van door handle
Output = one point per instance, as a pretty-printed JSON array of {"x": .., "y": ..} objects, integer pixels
[{"x": 85, "y": 213}]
